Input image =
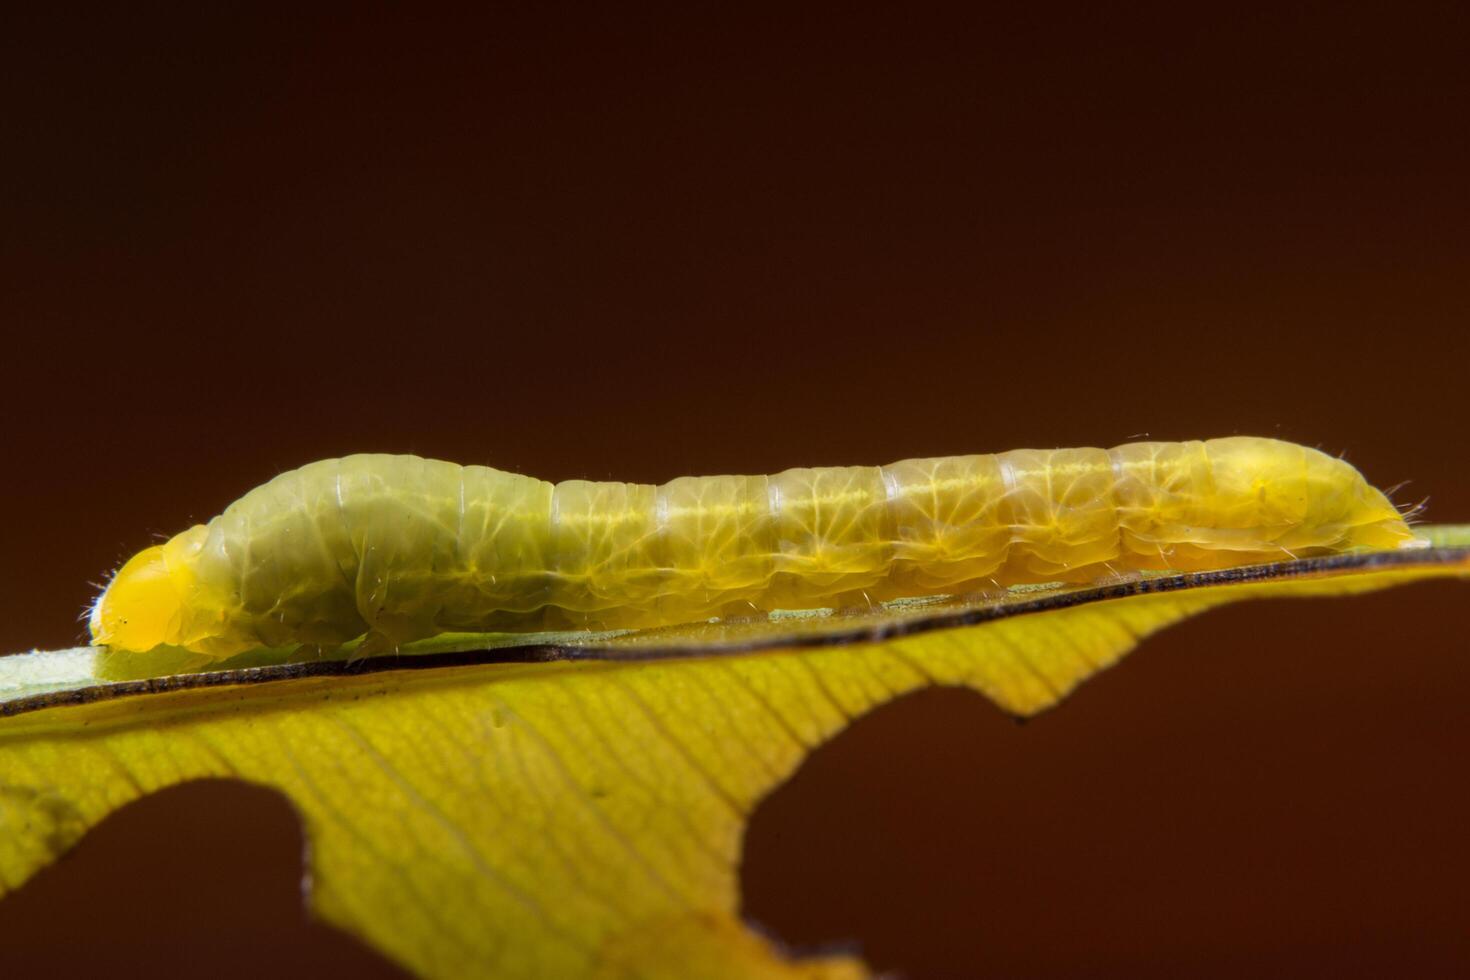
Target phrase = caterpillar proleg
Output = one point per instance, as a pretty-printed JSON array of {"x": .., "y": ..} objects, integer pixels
[{"x": 400, "y": 548}]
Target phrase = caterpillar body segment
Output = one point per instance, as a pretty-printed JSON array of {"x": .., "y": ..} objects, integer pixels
[{"x": 401, "y": 548}]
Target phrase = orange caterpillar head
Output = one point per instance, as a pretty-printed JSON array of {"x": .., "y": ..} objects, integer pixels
[{"x": 149, "y": 600}]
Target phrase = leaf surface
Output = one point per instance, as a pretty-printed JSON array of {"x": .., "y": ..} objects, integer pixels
[{"x": 568, "y": 805}]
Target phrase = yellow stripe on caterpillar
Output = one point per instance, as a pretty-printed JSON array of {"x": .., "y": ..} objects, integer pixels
[{"x": 400, "y": 548}]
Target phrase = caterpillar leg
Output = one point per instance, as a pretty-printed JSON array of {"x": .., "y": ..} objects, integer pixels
[
  {"x": 743, "y": 611},
  {"x": 374, "y": 644},
  {"x": 857, "y": 603},
  {"x": 984, "y": 591},
  {"x": 1112, "y": 575}
]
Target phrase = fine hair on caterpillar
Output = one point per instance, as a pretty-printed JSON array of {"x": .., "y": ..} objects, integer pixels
[{"x": 400, "y": 548}]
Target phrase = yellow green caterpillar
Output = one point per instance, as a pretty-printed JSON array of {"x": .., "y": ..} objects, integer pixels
[{"x": 399, "y": 548}]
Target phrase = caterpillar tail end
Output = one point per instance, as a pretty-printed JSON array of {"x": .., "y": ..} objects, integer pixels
[{"x": 1384, "y": 525}]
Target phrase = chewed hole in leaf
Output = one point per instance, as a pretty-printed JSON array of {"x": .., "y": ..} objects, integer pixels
[
  {"x": 204, "y": 878},
  {"x": 1288, "y": 804}
]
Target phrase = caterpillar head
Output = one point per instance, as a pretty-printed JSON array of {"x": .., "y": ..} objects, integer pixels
[{"x": 146, "y": 602}]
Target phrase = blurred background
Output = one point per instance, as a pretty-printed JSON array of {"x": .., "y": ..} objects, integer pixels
[{"x": 649, "y": 242}]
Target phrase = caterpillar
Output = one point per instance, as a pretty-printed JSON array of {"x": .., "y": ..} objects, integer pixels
[{"x": 399, "y": 548}]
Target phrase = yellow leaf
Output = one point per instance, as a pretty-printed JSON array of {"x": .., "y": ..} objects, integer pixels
[{"x": 581, "y": 816}]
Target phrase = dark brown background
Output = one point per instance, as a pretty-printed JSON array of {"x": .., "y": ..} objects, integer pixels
[{"x": 647, "y": 243}]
